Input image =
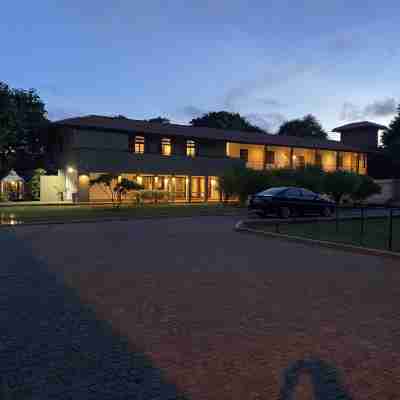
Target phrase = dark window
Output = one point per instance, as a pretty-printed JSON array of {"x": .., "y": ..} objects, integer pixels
[
  {"x": 293, "y": 193},
  {"x": 166, "y": 147},
  {"x": 301, "y": 161},
  {"x": 340, "y": 160},
  {"x": 270, "y": 157},
  {"x": 244, "y": 154},
  {"x": 318, "y": 159}
]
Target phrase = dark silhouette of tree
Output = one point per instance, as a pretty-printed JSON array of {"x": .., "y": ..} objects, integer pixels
[
  {"x": 308, "y": 127},
  {"x": 391, "y": 137},
  {"x": 23, "y": 125},
  {"x": 159, "y": 120},
  {"x": 225, "y": 120}
]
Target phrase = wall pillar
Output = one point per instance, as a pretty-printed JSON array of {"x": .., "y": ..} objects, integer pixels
[
  {"x": 206, "y": 188},
  {"x": 337, "y": 160},
  {"x": 291, "y": 157},
  {"x": 189, "y": 188}
]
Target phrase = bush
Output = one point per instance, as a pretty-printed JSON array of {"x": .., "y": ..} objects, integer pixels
[
  {"x": 34, "y": 183},
  {"x": 366, "y": 188},
  {"x": 340, "y": 183}
]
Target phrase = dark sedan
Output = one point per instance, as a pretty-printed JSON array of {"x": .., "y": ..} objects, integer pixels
[{"x": 290, "y": 201}]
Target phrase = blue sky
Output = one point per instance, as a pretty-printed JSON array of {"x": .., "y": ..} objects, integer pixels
[{"x": 268, "y": 60}]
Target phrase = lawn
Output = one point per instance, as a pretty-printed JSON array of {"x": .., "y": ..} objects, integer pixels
[
  {"x": 376, "y": 231},
  {"x": 37, "y": 213}
]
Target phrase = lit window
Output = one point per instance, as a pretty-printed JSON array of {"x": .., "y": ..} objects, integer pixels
[
  {"x": 166, "y": 148},
  {"x": 318, "y": 159},
  {"x": 139, "y": 144},
  {"x": 190, "y": 148},
  {"x": 340, "y": 160}
]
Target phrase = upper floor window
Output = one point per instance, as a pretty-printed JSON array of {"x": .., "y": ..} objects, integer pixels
[
  {"x": 270, "y": 157},
  {"x": 166, "y": 147},
  {"x": 139, "y": 145},
  {"x": 244, "y": 154},
  {"x": 190, "y": 148}
]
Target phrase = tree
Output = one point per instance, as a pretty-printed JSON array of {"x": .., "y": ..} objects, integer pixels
[
  {"x": 308, "y": 127},
  {"x": 366, "y": 188},
  {"x": 34, "y": 183},
  {"x": 22, "y": 119},
  {"x": 340, "y": 183},
  {"x": 159, "y": 120},
  {"x": 391, "y": 137},
  {"x": 114, "y": 187},
  {"x": 225, "y": 120}
]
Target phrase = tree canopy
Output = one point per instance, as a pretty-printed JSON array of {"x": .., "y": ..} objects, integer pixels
[
  {"x": 391, "y": 137},
  {"x": 22, "y": 119},
  {"x": 308, "y": 127},
  {"x": 159, "y": 120},
  {"x": 225, "y": 120}
]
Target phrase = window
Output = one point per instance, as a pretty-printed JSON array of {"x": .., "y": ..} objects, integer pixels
[
  {"x": 318, "y": 159},
  {"x": 139, "y": 145},
  {"x": 364, "y": 160},
  {"x": 308, "y": 194},
  {"x": 293, "y": 193},
  {"x": 270, "y": 157},
  {"x": 190, "y": 148},
  {"x": 244, "y": 154},
  {"x": 301, "y": 161},
  {"x": 166, "y": 148},
  {"x": 340, "y": 160}
]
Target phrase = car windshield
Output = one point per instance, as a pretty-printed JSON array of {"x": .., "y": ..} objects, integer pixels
[{"x": 271, "y": 191}]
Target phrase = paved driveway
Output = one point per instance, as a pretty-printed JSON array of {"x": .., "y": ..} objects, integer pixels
[{"x": 193, "y": 309}]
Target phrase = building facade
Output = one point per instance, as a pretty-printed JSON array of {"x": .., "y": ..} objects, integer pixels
[{"x": 183, "y": 161}]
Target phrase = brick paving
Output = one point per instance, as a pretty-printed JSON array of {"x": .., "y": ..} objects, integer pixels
[{"x": 219, "y": 314}]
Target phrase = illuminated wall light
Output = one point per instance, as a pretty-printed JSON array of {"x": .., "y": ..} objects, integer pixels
[
  {"x": 139, "y": 180},
  {"x": 70, "y": 170},
  {"x": 119, "y": 179},
  {"x": 156, "y": 179}
]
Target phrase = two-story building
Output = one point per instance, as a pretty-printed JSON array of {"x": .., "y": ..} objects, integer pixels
[{"x": 183, "y": 160}]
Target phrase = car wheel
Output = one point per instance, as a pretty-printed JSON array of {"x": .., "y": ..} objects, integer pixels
[
  {"x": 284, "y": 212},
  {"x": 326, "y": 212}
]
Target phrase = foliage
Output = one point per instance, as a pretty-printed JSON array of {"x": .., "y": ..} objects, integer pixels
[
  {"x": 34, "y": 183},
  {"x": 340, "y": 183},
  {"x": 366, "y": 188},
  {"x": 22, "y": 119},
  {"x": 242, "y": 182},
  {"x": 225, "y": 120},
  {"x": 115, "y": 187},
  {"x": 159, "y": 120},
  {"x": 391, "y": 137},
  {"x": 3, "y": 197},
  {"x": 308, "y": 127}
]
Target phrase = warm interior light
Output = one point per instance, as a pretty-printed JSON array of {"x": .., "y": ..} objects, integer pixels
[
  {"x": 156, "y": 179},
  {"x": 139, "y": 180},
  {"x": 119, "y": 179},
  {"x": 70, "y": 170}
]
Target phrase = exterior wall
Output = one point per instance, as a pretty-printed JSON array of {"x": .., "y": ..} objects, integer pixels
[
  {"x": 255, "y": 153},
  {"x": 100, "y": 140},
  {"x": 51, "y": 188},
  {"x": 365, "y": 137}
]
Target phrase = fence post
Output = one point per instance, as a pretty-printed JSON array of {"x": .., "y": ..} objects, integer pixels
[
  {"x": 337, "y": 218},
  {"x": 362, "y": 226},
  {"x": 277, "y": 227},
  {"x": 391, "y": 230}
]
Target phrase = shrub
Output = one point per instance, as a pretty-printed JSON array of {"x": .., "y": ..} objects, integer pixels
[
  {"x": 340, "y": 183},
  {"x": 34, "y": 183},
  {"x": 366, "y": 188}
]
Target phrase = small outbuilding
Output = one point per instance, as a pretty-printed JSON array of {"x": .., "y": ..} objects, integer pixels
[{"x": 12, "y": 186}]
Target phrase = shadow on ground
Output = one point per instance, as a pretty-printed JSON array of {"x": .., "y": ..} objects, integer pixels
[
  {"x": 52, "y": 346},
  {"x": 325, "y": 380}
]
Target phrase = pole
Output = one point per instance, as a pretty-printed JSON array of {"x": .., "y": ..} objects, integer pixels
[
  {"x": 337, "y": 218},
  {"x": 362, "y": 226},
  {"x": 391, "y": 230}
]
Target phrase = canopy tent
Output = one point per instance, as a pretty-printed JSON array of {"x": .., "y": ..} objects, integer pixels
[{"x": 12, "y": 186}]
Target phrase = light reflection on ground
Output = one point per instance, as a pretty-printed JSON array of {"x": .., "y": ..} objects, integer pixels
[{"x": 9, "y": 219}]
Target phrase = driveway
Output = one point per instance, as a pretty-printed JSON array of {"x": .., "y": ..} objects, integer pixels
[{"x": 187, "y": 308}]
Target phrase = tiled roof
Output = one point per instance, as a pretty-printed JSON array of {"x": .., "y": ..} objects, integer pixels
[
  {"x": 358, "y": 125},
  {"x": 127, "y": 125}
]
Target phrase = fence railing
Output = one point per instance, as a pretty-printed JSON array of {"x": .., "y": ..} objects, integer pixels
[{"x": 375, "y": 227}]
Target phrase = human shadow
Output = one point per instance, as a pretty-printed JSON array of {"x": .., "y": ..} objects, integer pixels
[
  {"x": 53, "y": 346},
  {"x": 325, "y": 380}
]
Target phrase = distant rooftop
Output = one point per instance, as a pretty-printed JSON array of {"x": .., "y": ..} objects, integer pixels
[{"x": 358, "y": 125}]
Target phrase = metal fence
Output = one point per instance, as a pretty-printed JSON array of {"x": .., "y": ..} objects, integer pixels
[{"x": 375, "y": 227}]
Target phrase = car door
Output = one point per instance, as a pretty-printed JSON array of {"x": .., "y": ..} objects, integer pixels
[
  {"x": 309, "y": 201},
  {"x": 294, "y": 199}
]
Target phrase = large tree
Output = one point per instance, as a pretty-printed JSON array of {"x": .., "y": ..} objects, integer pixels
[
  {"x": 308, "y": 127},
  {"x": 225, "y": 120},
  {"x": 159, "y": 120},
  {"x": 391, "y": 137},
  {"x": 23, "y": 119}
]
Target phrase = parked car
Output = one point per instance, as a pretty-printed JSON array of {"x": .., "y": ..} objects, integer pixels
[{"x": 289, "y": 201}]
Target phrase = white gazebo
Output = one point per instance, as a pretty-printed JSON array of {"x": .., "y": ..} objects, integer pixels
[{"x": 12, "y": 186}]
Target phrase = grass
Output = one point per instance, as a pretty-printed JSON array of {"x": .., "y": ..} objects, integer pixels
[
  {"x": 376, "y": 232},
  {"x": 37, "y": 213}
]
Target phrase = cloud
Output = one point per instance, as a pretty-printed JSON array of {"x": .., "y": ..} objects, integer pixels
[{"x": 377, "y": 109}]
